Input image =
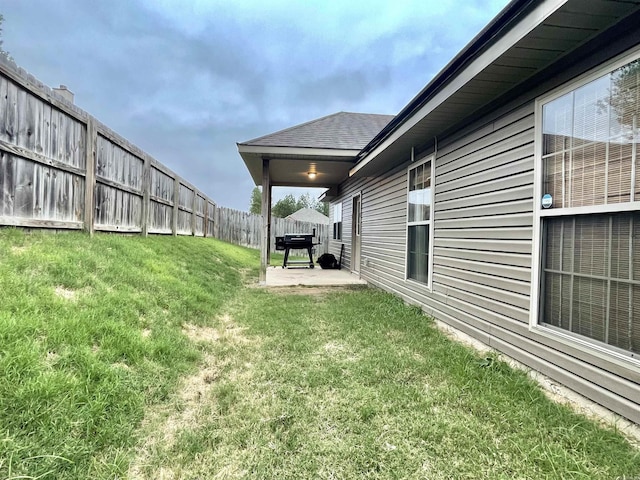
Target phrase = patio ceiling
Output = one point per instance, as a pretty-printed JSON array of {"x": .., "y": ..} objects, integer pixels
[{"x": 290, "y": 166}]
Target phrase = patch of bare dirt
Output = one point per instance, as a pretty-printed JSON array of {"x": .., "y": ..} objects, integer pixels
[
  {"x": 190, "y": 401},
  {"x": 65, "y": 293},
  {"x": 19, "y": 250},
  {"x": 227, "y": 331},
  {"x": 306, "y": 290}
]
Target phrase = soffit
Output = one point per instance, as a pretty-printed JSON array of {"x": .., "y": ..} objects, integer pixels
[{"x": 521, "y": 55}]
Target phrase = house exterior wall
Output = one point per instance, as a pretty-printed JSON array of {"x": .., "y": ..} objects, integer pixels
[{"x": 483, "y": 240}]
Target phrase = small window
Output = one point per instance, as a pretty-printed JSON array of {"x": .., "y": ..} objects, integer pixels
[
  {"x": 419, "y": 223},
  {"x": 337, "y": 221}
]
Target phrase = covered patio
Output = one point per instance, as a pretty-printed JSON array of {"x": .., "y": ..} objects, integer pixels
[{"x": 319, "y": 153}]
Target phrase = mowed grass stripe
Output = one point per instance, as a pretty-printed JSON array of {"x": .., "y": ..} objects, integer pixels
[{"x": 358, "y": 385}]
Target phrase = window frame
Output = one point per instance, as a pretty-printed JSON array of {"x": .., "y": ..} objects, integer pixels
[
  {"x": 601, "y": 350},
  {"x": 337, "y": 224},
  {"x": 413, "y": 165}
]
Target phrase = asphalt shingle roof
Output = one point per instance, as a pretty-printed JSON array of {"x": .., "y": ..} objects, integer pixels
[{"x": 340, "y": 131}]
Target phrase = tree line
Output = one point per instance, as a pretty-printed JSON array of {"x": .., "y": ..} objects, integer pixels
[{"x": 287, "y": 205}]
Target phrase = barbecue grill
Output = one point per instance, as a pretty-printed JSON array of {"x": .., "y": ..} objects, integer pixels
[{"x": 296, "y": 241}]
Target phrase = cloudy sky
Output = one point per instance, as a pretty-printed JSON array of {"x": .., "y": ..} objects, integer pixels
[{"x": 187, "y": 79}]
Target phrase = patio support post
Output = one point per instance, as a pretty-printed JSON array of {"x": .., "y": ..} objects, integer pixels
[{"x": 265, "y": 250}]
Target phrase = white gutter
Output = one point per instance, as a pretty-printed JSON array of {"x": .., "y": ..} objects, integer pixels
[{"x": 275, "y": 151}]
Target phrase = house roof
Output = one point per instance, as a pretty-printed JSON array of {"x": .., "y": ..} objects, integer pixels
[
  {"x": 326, "y": 146},
  {"x": 523, "y": 40},
  {"x": 309, "y": 215},
  {"x": 342, "y": 131}
]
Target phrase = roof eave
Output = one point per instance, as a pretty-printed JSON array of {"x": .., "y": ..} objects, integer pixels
[{"x": 481, "y": 51}]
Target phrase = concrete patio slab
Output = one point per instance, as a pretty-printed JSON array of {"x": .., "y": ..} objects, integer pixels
[{"x": 310, "y": 277}]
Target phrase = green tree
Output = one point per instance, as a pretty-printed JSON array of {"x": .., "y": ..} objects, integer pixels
[
  {"x": 255, "y": 206},
  {"x": 3, "y": 52},
  {"x": 323, "y": 208},
  {"x": 285, "y": 206}
]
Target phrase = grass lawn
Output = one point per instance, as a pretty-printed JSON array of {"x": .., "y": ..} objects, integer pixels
[{"x": 130, "y": 357}]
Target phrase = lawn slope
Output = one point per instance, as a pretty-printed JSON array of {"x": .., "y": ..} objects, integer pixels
[{"x": 91, "y": 334}]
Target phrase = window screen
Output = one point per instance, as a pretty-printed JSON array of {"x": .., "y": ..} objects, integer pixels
[{"x": 590, "y": 282}]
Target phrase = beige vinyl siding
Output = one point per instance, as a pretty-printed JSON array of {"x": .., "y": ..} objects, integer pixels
[
  {"x": 484, "y": 205},
  {"x": 483, "y": 235},
  {"x": 483, "y": 216}
]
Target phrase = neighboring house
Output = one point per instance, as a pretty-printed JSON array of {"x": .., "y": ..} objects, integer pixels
[
  {"x": 309, "y": 215},
  {"x": 504, "y": 199}
]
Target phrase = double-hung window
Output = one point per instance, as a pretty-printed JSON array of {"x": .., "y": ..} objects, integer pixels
[
  {"x": 419, "y": 214},
  {"x": 589, "y": 208},
  {"x": 337, "y": 221}
]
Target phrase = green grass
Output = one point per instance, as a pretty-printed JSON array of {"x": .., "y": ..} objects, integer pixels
[
  {"x": 129, "y": 357},
  {"x": 90, "y": 335},
  {"x": 358, "y": 385}
]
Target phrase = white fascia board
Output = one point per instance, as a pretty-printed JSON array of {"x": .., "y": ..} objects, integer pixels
[
  {"x": 322, "y": 152},
  {"x": 545, "y": 9}
]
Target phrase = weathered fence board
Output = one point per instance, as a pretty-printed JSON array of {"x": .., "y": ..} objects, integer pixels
[
  {"x": 118, "y": 190},
  {"x": 62, "y": 168},
  {"x": 117, "y": 164},
  {"x": 211, "y": 219},
  {"x": 160, "y": 218},
  {"x": 185, "y": 210},
  {"x": 200, "y": 215},
  {"x": 117, "y": 209},
  {"x": 29, "y": 190}
]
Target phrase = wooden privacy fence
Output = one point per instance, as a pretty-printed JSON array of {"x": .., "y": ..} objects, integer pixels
[
  {"x": 61, "y": 168},
  {"x": 242, "y": 228}
]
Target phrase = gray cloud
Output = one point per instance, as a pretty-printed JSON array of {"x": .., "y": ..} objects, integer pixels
[{"x": 185, "y": 81}]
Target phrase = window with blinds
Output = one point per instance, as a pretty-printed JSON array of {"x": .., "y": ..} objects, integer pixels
[
  {"x": 590, "y": 276},
  {"x": 337, "y": 221},
  {"x": 591, "y": 282},
  {"x": 590, "y": 138},
  {"x": 419, "y": 222}
]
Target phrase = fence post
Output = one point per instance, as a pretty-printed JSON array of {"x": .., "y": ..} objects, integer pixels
[
  {"x": 205, "y": 226},
  {"x": 146, "y": 193},
  {"x": 193, "y": 212},
  {"x": 216, "y": 221},
  {"x": 176, "y": 205},
  {"x": 90, "y": 175}
]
